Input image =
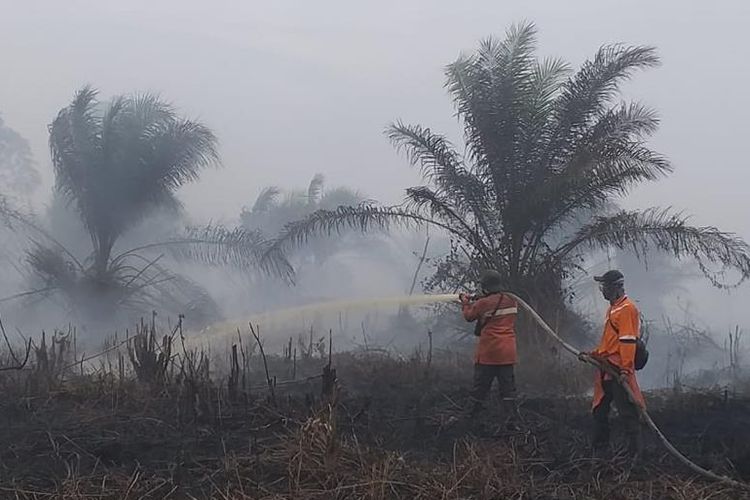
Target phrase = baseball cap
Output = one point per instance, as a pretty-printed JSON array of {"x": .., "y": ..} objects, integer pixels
[{"x": 611, "y": 277}]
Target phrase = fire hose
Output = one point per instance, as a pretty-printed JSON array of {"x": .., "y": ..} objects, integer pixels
[{"x": 645, "y": 417}]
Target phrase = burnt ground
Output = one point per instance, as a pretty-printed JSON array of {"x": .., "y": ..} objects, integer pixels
[{"x": 387, "y": 432}]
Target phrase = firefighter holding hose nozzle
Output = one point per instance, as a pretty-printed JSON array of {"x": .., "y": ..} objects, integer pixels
[
  {"x": 618, "y": 345},
  {"x": 495, "y": 356}
]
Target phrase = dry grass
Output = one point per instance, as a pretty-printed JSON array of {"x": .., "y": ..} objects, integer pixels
[{"x": 383, "y": 430}]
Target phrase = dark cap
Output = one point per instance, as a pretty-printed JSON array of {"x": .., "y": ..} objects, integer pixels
[
  {"x": 613, "y": 277},
  {"x": 491, "y": 281}
]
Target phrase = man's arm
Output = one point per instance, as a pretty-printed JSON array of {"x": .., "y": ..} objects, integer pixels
[
  {"x": 628, "y": 326},
  {"x": 471, "y": 310}
]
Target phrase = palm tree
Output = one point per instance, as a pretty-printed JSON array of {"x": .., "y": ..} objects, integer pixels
[
  {"x": 547, "y": 150},
  {"x": 273, "y": 209},
  {"x": 116, "y": 166}
]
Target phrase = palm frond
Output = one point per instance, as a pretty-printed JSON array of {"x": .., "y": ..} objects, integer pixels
[
  {"x": 74, "y": 144},
  {"x": 218, "y": 245},
  {"x": 589, "y": 91},
  {"x": 180, "y": 151},
  {"x": 44, "y": 292},
  {"x": 171, "y": 292},
  {"x": 441, "y": 164},
  {"x": 660, "y": 229},
  {"x": 491, "y": 92},
  {"x": 315, "y": 189},
  {"x": 432, "y": 152},
  {"x": 185, "y": 296},
  {"x": 12, "y": 218},
  {"x": 439, "y": 208},
  {"x": 547, "y": 78},
  {"x": 51, "y": 267},
  {"x": 545, "y": 83},
  {"x": 341, "y": 196},
  {"x": 626, "y": 121},
  {"x": 364, "y": 217},
  {"x": 612, "y": 159},
  {"x": 266, "y": 200}
]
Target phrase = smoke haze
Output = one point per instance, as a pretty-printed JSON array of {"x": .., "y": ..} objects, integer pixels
[{"x": 296, "y": 88}]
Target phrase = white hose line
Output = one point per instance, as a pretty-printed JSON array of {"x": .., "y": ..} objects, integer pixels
[{"x": 642, "y": 411}]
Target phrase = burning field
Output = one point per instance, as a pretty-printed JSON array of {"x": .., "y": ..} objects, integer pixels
[{"x": 157, "y": 421}]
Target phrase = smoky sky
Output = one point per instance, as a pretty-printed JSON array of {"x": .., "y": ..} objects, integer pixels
[{"x": 296, "y": 88}]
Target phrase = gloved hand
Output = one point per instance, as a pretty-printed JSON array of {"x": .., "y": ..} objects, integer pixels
[
  {"x": 623, "y": 376},
  {"x": 584, "y": 356}
]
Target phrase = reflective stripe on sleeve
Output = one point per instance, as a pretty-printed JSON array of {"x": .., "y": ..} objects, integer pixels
[{"x": 504, "y": 312}]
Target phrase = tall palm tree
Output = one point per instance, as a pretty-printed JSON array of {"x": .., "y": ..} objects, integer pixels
[
  {"x": 118, "y": 166},
  {"x": 546, "y": 152},
  {"x": 115, "y": 165}
]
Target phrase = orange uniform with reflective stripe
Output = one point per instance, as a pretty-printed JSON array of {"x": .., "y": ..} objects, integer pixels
[
  {"x": 497, "y": 341},
  {"x": 622, "y": 326}
]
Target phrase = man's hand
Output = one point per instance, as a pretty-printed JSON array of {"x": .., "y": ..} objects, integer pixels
[
  {"x": 623, "y": 376},
  {"x": 584, "y": 356},
  {"x": 464, "y": 298}
]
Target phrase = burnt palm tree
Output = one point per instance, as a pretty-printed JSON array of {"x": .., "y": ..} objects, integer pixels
[
  {"x": 115, "y": 165},
  {"x": 546, "y": 152}
]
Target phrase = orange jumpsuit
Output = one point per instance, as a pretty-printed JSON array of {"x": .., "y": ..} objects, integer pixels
[
  {"x": 617, "y": 346},
  {"x": 497, "y": 342}
]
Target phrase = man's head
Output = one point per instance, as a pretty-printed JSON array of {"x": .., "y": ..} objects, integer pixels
[
  {"x": 491, "y": 281},
  {"x": 612, "y": 284}
]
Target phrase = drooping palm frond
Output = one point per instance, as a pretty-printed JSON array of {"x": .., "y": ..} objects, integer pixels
[
  {"x": 133, "y": 283},
  {"x": 660, "y": 229},
  {"x": 432, "y": 152},
  {"x": 13, "y": 218},
  {"x": 611, "y": 160},
  {"x": 181, "y": 151},
  {"x": 364, "y": 217},
  {"x": 217, "y": 245},
  {"x": 440, "y": 163},
  {"x": 51, "y": 266},
  {"x": 171, "y": 292}
]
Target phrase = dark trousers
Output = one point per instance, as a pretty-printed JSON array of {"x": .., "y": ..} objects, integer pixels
[
  {"x": 628, "y": 412},
  {"x": 484, "y": 375}
]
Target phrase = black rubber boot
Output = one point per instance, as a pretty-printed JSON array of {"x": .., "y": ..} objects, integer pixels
[
  {"x": 600, "y": 437},
  {"x": 635, "y": 441}
]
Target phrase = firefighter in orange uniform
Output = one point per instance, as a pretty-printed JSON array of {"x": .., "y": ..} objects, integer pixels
[
  {"x": 495, "y": 314},
  {"x": 617, "y": 347}
]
